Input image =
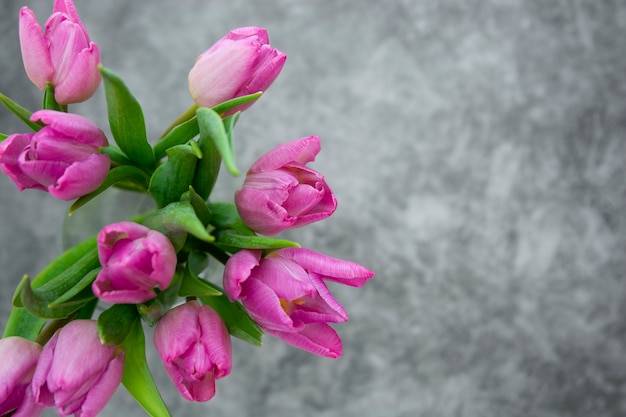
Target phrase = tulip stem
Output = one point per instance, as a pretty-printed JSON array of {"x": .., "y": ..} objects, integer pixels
[{"x": 186, "y": 115}]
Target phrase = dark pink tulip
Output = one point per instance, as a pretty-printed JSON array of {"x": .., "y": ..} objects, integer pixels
[
  {"x": 76, "y": 373},
  {"x": 240, "y": 63},
  {"x": 134, "y": 261},
  {"x": 285, "y": 294},
  {"x": 17, "y": 366},
  {"x": 280, "y": 192},
  {"x": 195, "y": 347},
  {"x": 62, "y": 158},
  {"x": 61, "y": 54}
]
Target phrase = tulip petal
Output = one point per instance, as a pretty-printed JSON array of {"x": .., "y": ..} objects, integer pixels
[
  {"x": 72, "y": 126},
  {"x": 34, "y": 47},
  {"x": 260, "y": 213},
  {"x": 317, "y": 338},
  {"x": 218, "y": 73},
  {"x": 81, "y": 178},
  {"x": 66, "y": 39},
  {"x": 101, "y": 392},
  {"x": 301, "y": 150},
  {"x": 329, "y": 268},
  {"x": 81, "y": 79},
  {"x": 28, "y": 407},
  {"x": 10, "y": 150},
  {"x": 288, "y": 280},
  {"x": 265, "y": 307},
  {"x": 237, "y": 270}
]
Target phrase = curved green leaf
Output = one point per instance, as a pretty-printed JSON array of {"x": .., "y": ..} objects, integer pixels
[
  {"x": 21, "y": 113},
  {"x": 182, "y": 133},
  {"x": 212, "y": 127},
  {"x": 126, "y": 119},
  {"x": 172, "y": 178},
  {"x": 137, "y": 377},
  {"x": 237, "y": 101}
]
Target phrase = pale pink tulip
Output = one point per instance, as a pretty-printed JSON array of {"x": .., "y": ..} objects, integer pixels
[
  {"x": 281, "y": 193},
  {"x": 62, "y": 158},
  {"x": 17, "y": 366},
  {"x": 285, "y": 294},
  {"x": 195, "y": 347},
  {"x": 240, "y": 63},
  {"x": 76, "y": 373},
  {"x": 61, "y": 54},
  {"x": 135, "y": 260}
]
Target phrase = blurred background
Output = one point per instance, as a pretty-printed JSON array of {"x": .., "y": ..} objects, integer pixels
[{"x": 478, "y": 153}]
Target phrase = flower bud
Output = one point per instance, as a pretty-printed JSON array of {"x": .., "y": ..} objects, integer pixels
[
  {"x": 240, "y": 63},
  {"x": 61, "y": 54},
  {"x": 280, "y": 192},
  {"x": 76, "y": 373},
  {"x": 19, "y": 358},
  {"x": 285, "y": 294},
  {"x": 62, "y": 158},
  {"x": 195, "y": 347},
  {"x": 134, "y": 261}
]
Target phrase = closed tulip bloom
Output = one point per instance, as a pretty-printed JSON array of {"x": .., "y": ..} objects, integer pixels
[
  {"x": 135, "y": 260},
  {"x": 19, "y": 358},
  {"x": 285, "y": 294},
  {"x": 61, "y": 54},
  {"x": 281, "y": 193},
  {"x": 240, "y": 63},
  {"x": 76, "y": 373},
  {"x": 62, "y": 158},
  {"x": 195, "y": 347}
]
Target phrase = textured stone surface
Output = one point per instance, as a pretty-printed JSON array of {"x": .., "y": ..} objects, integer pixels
[{"x": 477, "y": 150}]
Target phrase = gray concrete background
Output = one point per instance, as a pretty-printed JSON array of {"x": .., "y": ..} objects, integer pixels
[{"x": 477, "y": 150}]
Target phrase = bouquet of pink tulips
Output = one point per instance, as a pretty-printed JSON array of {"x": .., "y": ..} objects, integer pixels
[{"x": 58, "y": 349}]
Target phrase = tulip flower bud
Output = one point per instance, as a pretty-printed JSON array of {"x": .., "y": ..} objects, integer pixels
[
  {"x": 76, "y": 373},
  {"x": 285, "y": 294},
  {"x": 195, "y": 347},
  {"x": 280, "y": 192},
  {"x": 240, "y": 63},
  {"x": 62, "y": 158},
  {"x": 62, "y": 54},
  {"x": 134, "y": 261},
  {"x": 19, "y": 358}
]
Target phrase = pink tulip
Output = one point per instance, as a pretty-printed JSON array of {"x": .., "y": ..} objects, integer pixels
[
  {"x": 62, "y": 54},
  {"x": 134, "y": 261},
  {"x": 76, "y": 373},
  {"x": 62, "y": 158},
  {"x": 17, "y": 366},
  {"x": 195, "y": 347},
  {"x": 280, "y": 192},
  {"x": 285, "y": 294},
  {"x": 240, "y": 63}
]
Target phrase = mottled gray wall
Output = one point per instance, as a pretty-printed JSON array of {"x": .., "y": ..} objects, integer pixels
[{"x": 477, "y": 150}]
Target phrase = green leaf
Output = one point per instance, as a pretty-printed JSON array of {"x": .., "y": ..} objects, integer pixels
[
  {"x": 20, "y": 112},
  {"x": 49, "y": 102},
  {"x": 207, "y": 168},
  {"x": 238, "y": 101},
  {"x": 232, "y": 239},
  {"x": 22, "y": 323},
  {"x": 224, "y": 215},
  {"x": 117, "y": 156},
  {"x": 66, "y": 260},
  {"x": 172, "y": 178},
  {"x": 235, "y": 317},
  {"x": 182, "y": 133},
  {"x": 126, "y": 119},
  {"x": 3, "y": 137},
  {"x": 212, "y": 127},
  {"x": 114, "y": 176},
  {"x": 195, "y": 286},
  {"x": 116, "y": 322},
  {"x": 137, "y": 377},
  {"x": 176, "y": 218},
  {"x": 198, "y": 204},
  {"x": 67, "y": 274},
  {"x": 76, "y": 294}
]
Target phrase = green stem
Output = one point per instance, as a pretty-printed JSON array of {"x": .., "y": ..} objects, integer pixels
[{"x": 186, "y": 115}]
